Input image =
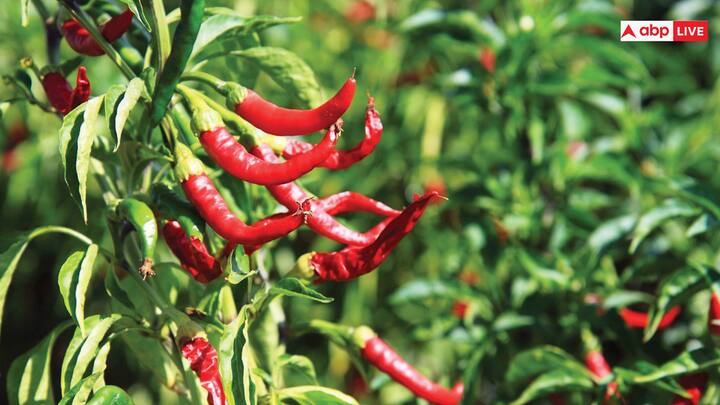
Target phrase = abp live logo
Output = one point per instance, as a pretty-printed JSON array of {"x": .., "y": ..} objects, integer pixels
[{"x": 663, "y": 31}]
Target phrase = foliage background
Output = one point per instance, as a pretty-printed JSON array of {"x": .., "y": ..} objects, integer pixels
[{"x": 572, "y": 131}]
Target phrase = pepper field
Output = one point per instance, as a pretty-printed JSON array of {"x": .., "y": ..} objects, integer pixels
[{"x": 572, "y": 259}]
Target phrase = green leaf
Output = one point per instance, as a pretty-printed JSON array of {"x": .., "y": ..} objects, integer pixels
[
  {"x": 236, "y": 361},
  {"x": 112, "y": 287},
  {"x": 610, "y": 231},
  {"x": 702, "y": 224},
  {"x": 86, "y": 137},
  {"x": 288, "y": 70},
  {"x": 238, "y": 273},
  {"x": 541, "y": 360},
  {"x": 120, "y": 109},
  {"x": 655, "y": 217},
  {"x": 419, "y": 289},
  {"x": 69, "y": 133},
  {"x": 562, "y": 380},
  {"x": 152, "y": 358},
  {"x": 69, "y": 396},
  {"x": 689, "y": 361},
  {"x": 311, "y": 394},
  {"x": 673, "y": 289},
  {"x": 294, "y": 287},
  {"x": 296, "y": 369},
  {"x": 74, "y": 279},
  {"x": 28, "y": 379},
  {"x": 81, "y": 351}
]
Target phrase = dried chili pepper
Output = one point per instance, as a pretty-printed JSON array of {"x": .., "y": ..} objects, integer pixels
[
  {"x": 204, "y": 362},
  {"x": 342, "y": 159},
  {"x": 192, "y": 253},
  {"x": 354, "y": 261},
  {"x": 322, "y": 220},
  {"x": 62, "y": 97},
  {"x": 142, "y": 219},
  {"x": 277, "y": 120},
  {"x": 82, "y": 42},
  {"x": 639, "y": 320},
  {"x": 211, "y": 206},
  {"x": 695, "y": 385},
  {"x": 714, "y": 315},
  {"x": 232, "y": 156},
  {"x": 378, "y": 353}
]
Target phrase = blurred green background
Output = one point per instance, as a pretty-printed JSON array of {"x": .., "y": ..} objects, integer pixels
[{"x": 550, "y": 138}]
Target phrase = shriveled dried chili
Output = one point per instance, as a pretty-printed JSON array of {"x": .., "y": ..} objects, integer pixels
[
  {"x": 62, "y": 97},
  {"x": 232, "y": 156},
  {"x": 204, "y": 362},
  {"x": 192, "y": 253},
  {"x": 354, "y": 261},
  {"x": 82, "y": 42},
  {"x": 378, "y": 353},
  {"x": 285, "y": 121},
  {"x": 211, "y": 206},
  {"x": 342, "y": 159}
]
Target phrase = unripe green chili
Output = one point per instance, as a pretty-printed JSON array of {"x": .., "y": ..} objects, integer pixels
[
  {"x": 141, "y": 217},
  {"x": 110, "y": 395},
  {"x": 182, "y": 46}
]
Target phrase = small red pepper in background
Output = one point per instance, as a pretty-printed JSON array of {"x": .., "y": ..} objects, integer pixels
[
  {"x": 82, "y": 42},
  {"x": 487, "y": 59},
  {"x": 360, "y": 11},
  {"x": 211, "y": 206},
  {"x": 556, "y": 399},
  {"x": 459, "y": 308},
  {"x": 354, "y": 261},
  {"x": 639, "y": 320},
  {"x": 381, "y": 355},
  {"x": 695, "y": 385},
  {"x": 714, "y": 315},
  {"x": 204, "y": 362},
  {"x": 277, "y": 120},
  {"x": 342, "y": 159},
  {"x": 191, "y": 252},
  {"x": 596, "y": 363},
  {"x": 322, "y": 220},
  {"x": 61, "y": 96},
  {"x": 18, "y": 134}
]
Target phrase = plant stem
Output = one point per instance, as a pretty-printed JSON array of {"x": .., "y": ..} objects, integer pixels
[
  {"x": 161, "y": 33},
  {"x": 52, "y": 34},
  {"x": 206, "y": 78}
]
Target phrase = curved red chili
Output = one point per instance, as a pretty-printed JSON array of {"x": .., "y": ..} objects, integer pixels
[
  {"x": 61, "y": 95},
  {"x": 639, "y": 320},
  {"x": 204, "y": 362},
  {"x": 596, "y": 363},
  {"x": 322, "y": 220},
  {"x": 192, "y": 253},
  {"x": 695, "y": 385},
  {"x": 381, "y": 355},
  {"x": 211, "y": 206},
  {"x": 232, "y": 156},
  {"x": 342, "y": 159},
  {"x": 714, "y": 315},
  {"x": 277, "y": 120},
  {"x": 354, "y": 261},
  {"x": 82, "y": 42}
]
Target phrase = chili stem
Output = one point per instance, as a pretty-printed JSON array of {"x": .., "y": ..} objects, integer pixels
[
  {"x": 87, "y": 22},
  {"x": 206, "y": 78}
]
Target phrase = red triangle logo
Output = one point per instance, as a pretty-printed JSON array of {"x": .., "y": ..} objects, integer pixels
[{"x": 628, "y": 31}]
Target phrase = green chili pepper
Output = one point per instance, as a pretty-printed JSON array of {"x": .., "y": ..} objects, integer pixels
[
  {"x": 183, "y": 41},
  {"x": 142, "y": 219},
  {"x": 110, "y": 395}
]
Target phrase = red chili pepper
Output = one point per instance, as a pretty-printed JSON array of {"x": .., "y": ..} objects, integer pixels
[
  {"x": 63, "y": 97},
  {"x": 204, "y": 362},
  {"x": 211, "y": 206},
  {"x": 596, "y": 363},
  {"x": 487, "y": 59},
  {"x": 192, "y": 253},
  {"x": 360, "y": 11},
  {"x": 460, "y": 308},
  {"x": 639, "y": 320},
  {"x": 354, "y": 261},
  {"x": 714, "y": 315},
  {"x": 556, "y": 399},
  {"x": 342, "y": 159},
  {"x": 382, "y": 356},
  {"x": 82, "y": 42},
  {"x": 322, "y": 220},
  {"x": 277, "y": 120},
  {"x": 695, "y": 385},
  {"x": 232, "y": 156}
]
